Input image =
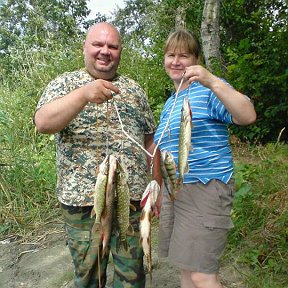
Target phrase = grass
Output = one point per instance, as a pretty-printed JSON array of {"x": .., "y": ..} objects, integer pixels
[{"x": 259, "y": 239}]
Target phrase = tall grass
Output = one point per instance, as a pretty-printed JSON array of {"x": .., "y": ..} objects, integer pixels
[
  {"x": 260, "y": 237},
  {"x": 27, "y": 160}
]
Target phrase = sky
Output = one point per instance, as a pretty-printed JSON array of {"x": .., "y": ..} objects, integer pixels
[{"x": 104, "y": 6}]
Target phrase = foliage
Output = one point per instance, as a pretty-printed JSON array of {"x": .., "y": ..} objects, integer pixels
[
  {"x": 27, "y": 161},
  {"x": 260, "y": 214},
  {"x": 30, "y": 24},
  {"x": 144, "y": 33},
  {"x": 255, "y": 47}
]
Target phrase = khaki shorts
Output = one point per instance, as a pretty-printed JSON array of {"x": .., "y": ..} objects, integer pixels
[{"x": 193, "y": 229}]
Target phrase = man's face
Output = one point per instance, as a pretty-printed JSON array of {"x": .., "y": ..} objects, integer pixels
[{"x": 102, "y": 51}]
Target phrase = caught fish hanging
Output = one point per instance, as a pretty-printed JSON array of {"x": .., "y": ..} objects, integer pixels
[
  {"x": 185, "y": 145},
  {"x": 148, "y": 203},
  {"x": 123, "y": 205},
  {"x": 107, "y": 215},
  {"x": 99, "y": 192},
  {"x": 168, "y": 169}
]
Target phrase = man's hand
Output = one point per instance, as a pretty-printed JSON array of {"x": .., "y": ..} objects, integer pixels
[{"x": 99, "y": 91}]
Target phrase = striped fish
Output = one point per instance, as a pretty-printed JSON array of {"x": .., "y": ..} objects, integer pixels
[
  {"x": 185, "y": 145},
  {"x": 168, "y": 169},
  {"x": 123, "y": 204},
  {"x": 99, "y": 192},
  {"x": 107, "y": 215}
]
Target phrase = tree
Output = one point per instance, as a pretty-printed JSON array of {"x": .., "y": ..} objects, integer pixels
[
  {"x": 254, "y": 45},
  {"x": 28, "y": 26},
  {"x": 210, "y": 34},
  {"x": 32, "y": 21}
]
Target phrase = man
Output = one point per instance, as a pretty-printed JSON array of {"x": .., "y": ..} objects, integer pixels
[{"x": 77, "y": 107}]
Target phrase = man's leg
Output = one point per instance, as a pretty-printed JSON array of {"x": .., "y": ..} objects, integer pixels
[
  {"x": 83, "y": 246},
  {"x": 128, "y": 265}
]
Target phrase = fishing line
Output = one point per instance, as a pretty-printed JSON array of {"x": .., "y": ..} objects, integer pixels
[
  {"x": 169, "y": 118},
  {"x": 165, "y": 128},
  {"x": 127, "y": 135},
  {"x": 107, "y": 124}
]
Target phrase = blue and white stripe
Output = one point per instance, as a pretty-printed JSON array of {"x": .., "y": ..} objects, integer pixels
[{"x": 211, "y": 157}]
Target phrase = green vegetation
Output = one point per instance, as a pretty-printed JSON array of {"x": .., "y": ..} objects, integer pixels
[
  {"x": 260, "y": 215},
  {"x": 256, "y": 62}
]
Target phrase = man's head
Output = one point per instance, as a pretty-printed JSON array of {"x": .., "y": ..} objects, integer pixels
[{"x": 102, "y": 51}]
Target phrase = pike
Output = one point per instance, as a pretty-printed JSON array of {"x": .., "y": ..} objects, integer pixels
[
  {"x": 107, "y": 215},
  {"x": 185, "y": 145},
  {"x": 123, "y": 204},
  {"x": 168, "y": 168},
  {"x": 148, "y": 202},
  {"x": 99, "y": 192}
]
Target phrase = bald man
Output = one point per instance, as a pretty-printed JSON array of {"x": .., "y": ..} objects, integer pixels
[{"x": 74, "y": 107}]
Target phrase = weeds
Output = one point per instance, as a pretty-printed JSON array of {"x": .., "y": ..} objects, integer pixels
[{"x": 260, "y": 216}]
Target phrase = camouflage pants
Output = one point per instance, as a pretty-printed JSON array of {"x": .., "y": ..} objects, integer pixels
[{"x": 84, "y": 248}]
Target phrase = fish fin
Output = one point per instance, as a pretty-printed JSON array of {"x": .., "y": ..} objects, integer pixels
[
  {"x": 191, "y": 147},
  {"x": 131, "y": 230},
  {"x": 170, "y": 190},
  {"x": 140, "y": 241},
  {"x": 93, "y": 213},
  {"x": 179, "y": 183},
  {"x": 142, "y": 216},
  {"x": 132, "y": 207},
  {"x": 172, "y": 196},
  {"x": 150, "y": 217},
  {"x": 186, "y": 170},
  {"x": 143, "y": 201}
]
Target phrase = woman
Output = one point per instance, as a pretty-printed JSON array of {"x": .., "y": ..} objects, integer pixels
[{"x": 193, "y": 228}]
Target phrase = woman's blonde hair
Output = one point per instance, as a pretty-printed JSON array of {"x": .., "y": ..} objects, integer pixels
[{"x": 185, "y": 41}]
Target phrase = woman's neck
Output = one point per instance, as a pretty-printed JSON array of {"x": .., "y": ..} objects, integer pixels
[{"x": 184, "y": 85}]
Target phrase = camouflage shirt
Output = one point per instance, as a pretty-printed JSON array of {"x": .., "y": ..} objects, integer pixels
[{"x": 83, "y": 144}]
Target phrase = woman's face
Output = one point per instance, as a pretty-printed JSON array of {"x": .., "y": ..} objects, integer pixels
[{"x": 175, "y": 62}]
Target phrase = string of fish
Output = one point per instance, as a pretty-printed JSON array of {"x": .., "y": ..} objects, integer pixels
[
  {"x": 104, "y": 193},
  {"x": 151, "y": 192},
  {"x": 111, "y": 184}
]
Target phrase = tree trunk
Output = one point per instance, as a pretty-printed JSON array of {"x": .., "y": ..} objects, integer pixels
[
  {"x": 180, "y": 17},
  {"x": 210, "y": 34}
]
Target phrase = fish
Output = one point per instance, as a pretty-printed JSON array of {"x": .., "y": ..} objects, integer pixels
[
  {"x": 185, "y": 143},
  {"x": 152, "y": 191},
  {"x": 99, "y": 193},
  {"x": 169, "y": 169},
  {"x": 107, "y": 215},
  {"x": 148, "y": 202},
  {"x": 123, "y": 205}
]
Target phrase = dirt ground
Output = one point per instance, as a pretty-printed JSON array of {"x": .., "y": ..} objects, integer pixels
[{"x": 45, "y": 262}]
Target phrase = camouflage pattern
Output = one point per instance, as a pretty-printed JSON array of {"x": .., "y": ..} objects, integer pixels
[
  {"x": 84, "y": 247},
  {"x": 85, "y": 142}
]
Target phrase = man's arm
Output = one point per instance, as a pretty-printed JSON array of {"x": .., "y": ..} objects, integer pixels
[{"x": 57, "y": 114}]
